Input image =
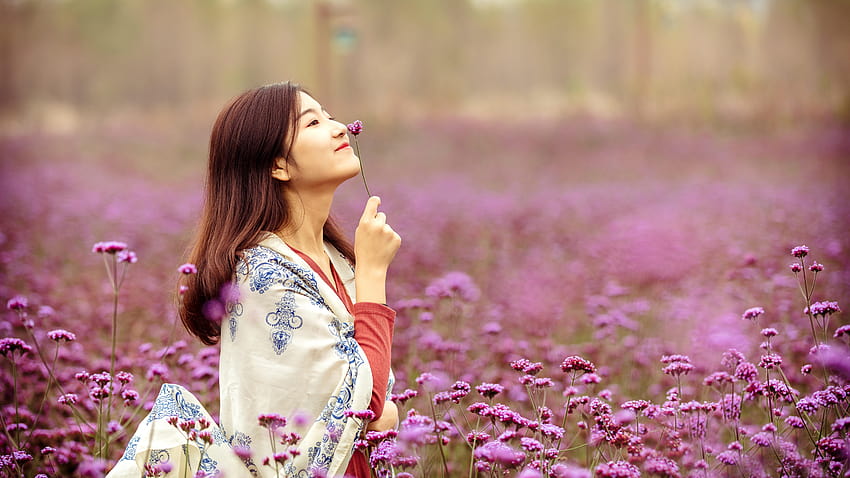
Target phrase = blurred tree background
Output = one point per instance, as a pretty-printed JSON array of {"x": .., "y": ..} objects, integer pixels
[{"x": 764, "y": 62}]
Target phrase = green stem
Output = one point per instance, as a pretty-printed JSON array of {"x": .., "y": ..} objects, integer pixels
[
  {"x": 439, "y": 437},
  {"x": 77, "y": 415},
  {"x": 112, "y": 362},
  {"x": 15, "y": 398},
  {"x": 362, "y": 172},
  {"x": 186, "y": 463},
  {"x": 472, "y": 451},
  {"x": 46, "y": 394}
]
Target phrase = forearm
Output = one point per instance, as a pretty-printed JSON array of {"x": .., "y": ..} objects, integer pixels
[{"x": 373, "y": 329}]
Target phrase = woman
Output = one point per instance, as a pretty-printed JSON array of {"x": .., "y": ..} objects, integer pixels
[{"x": 306, "y": 333}]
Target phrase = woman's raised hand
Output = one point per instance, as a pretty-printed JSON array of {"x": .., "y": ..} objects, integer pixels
[{"x": 375, "y": 247}]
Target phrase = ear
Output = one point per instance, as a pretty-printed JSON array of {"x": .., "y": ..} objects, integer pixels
[{"x": 280, "y": 171}]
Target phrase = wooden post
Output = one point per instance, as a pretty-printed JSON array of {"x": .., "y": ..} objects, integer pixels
[{"x": 323, "y": 50}]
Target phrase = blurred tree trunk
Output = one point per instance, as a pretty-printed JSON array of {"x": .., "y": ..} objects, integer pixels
[
  {"x": 832, "y": 48},
  {"x": 642, "y": 58},
  {"x": 617, "y": 52},
  {"x": 15, "y": 19}
]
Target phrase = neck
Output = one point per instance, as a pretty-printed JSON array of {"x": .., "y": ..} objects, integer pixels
[{"x": 309, "y": 213}]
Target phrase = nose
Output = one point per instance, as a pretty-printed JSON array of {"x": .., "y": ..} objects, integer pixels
[{"x": 339, "y": 129}]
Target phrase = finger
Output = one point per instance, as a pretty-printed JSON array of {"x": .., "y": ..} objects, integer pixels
[
  {"x": 381, "y": 218},
  {"x": 371, "y": 208}
]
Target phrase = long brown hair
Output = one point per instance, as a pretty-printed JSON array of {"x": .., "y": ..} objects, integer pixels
[{"x": 242, "y": 199}]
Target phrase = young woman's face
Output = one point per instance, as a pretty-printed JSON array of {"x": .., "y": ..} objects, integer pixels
[{"x": 321, "y": 155}]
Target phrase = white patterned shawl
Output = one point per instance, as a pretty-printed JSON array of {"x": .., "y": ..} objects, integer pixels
[{"x": 287, "y": 347}]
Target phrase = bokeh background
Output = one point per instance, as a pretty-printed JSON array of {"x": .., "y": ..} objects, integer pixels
[{"x": 615, "y": 178}]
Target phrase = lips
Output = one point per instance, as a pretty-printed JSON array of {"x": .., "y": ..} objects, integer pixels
[{"x": 342, "y": 146}]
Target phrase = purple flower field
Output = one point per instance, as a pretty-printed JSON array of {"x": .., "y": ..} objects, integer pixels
[{"x": 575, "y": 298}]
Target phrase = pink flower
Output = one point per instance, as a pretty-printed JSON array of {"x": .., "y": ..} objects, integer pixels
[
  {"x": 271, "y": 420},
  {"x": 10, "y": 346},
  {"x": 679, "y": 365},
  {"x": 187, "y": 269},
  {"x": 68, "y": 399},
  {"x": 796, "y": 267},
  {"x": 770, "y": 361},
  {"x": 404, "y": 396},
  {"x": 355, "y": 128},
  {"x": 360, "y": 414},
  {"x": 574, "y": 363},
  {"x": 769, "y": 332},
  {"x": 794, "y": 422},
  {"x": 157, "y": 370},
  {"x": 824, "y": 308},
  {"x": 127, "y": 256},
  {"x": 800, "y": 251},
  {"x": 728, "y": 457},
  {"x": 129, "y": 396},
  {"x": 243, "y": 452},
  {"x": 753, "y": 313},
  {"x": 476, "y": 437},
  {"x": 124, "y": 377},
  {"x": 60, "y": 335},
  {"x": 454, "y": 284},
  {"x": 109, "y": 247},
  {"x": 617, "y": 469},
  {"x": 18, "y": 302}
]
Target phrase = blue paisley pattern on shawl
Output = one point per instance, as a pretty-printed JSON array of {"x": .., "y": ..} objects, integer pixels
[
  {"x": 262, "y": 267},
  {"x": 171, "y": 403},
  {"x": 333, "y": 415}
]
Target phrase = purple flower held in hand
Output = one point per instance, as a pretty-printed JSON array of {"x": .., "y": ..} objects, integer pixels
[{"x": 355, "y": 129}]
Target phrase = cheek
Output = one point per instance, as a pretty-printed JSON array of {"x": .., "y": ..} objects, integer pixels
[{"x": 305, "y": 146}]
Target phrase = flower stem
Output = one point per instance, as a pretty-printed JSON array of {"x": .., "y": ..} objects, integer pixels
[
  {"x": 17, "y": 440},
  {"x": 362, "y": 173},
  {"x": 439, "y": 436},
  {"x": 46, "y": 394}
]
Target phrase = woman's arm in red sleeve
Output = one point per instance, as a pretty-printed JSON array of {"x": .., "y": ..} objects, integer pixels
[{"x": 373, "y": 330}]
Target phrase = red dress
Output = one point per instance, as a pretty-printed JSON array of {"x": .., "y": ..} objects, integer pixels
[{"x": 373, "y": 330}]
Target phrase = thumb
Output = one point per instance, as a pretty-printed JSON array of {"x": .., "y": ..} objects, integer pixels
[{"x": 371, "y": 208}]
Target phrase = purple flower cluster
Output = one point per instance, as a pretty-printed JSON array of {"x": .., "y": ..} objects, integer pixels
[{"x": 753, "y": 313}]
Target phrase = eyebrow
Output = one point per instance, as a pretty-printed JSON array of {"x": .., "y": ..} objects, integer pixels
[{"x": 311, "y": 110}]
